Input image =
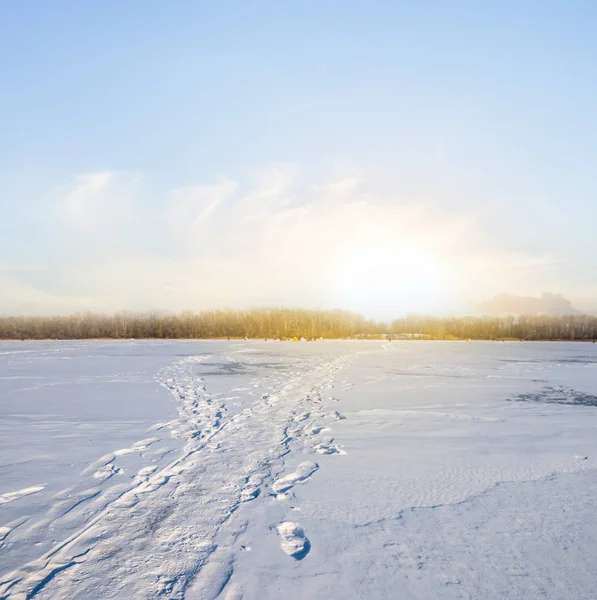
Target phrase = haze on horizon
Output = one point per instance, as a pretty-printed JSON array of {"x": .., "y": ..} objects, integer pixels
[{"x": 384, "y": 158}]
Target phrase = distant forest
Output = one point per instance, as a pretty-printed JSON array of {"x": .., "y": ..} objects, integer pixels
[{"x": 288, "y": 323}]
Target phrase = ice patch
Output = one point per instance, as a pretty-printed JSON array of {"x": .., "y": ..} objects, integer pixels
[{"x": 559, "y": 395}]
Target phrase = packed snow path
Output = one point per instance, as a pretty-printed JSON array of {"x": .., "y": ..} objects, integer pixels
[
  {"x": 331, "y": 470},
  {"x": 157, "y": 537}
]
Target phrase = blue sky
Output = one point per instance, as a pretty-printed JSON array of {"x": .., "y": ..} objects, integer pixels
[{"x": 193, "y": 154}]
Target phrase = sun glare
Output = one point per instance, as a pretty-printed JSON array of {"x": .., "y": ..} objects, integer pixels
[{"x": 390, "y": 277}]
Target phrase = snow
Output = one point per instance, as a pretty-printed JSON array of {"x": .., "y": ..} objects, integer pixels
[
  {"x": 293, "y": 540},
  {"x": 300, "y": 474},
  {"x": 255, "y": 470}
]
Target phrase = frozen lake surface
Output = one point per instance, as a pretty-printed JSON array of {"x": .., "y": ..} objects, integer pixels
[{"x": 327, "y": 470}]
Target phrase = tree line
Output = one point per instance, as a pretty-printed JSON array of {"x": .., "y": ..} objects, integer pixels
[
  {"x": 522, "y": 327},
  {"x": 288, "y": 323},
  {"x": 254, "y": 323}
]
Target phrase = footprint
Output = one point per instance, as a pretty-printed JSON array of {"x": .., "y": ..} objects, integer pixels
[
  {"x": 336, "y": 415},
  {"x": 303, "y": 471},
  {"x": 328, "y": 448},
  {"x": 293, "y": 540},
  {"x": 302, "y": 416},
  {"x": 252, "y": 488},
  {"x": 152, "y": 484},
  {"x": 316, "y": 429},
  {"x": 249, "y": 494}
]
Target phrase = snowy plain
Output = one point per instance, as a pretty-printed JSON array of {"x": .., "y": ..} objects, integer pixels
[{"x": 334, "y": 470}]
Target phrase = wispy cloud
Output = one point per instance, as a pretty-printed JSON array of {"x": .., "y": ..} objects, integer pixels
[
  {"x": 346, "y": 184},
  {"x": 97, "y": 199},
  {"x": 193, "y": 204},
  {"x": 280, "y": 238},
  {"x": 270, "y": 193}
]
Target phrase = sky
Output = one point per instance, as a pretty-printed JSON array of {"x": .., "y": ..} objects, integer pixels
[{"x": 384, "y": 157}]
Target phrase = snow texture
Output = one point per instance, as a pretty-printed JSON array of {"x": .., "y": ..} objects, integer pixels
[{"x": 254, "y": 470}]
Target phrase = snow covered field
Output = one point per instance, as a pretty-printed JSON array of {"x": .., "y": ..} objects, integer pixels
[{"x": 328, "y": 470}]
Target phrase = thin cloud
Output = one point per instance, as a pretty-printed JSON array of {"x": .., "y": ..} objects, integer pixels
[
  {"x": 347, "y": 184},
  {"x": 196, "y": 203},
  {"x": 96, "y": 199},
  {"x": 280, "y": 237}
]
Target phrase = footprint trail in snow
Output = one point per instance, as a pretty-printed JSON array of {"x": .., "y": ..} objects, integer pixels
[{"x": 156, "y": 536}]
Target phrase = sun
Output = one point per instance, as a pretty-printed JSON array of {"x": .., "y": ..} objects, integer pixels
[{"x": 390, "y": 277}]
